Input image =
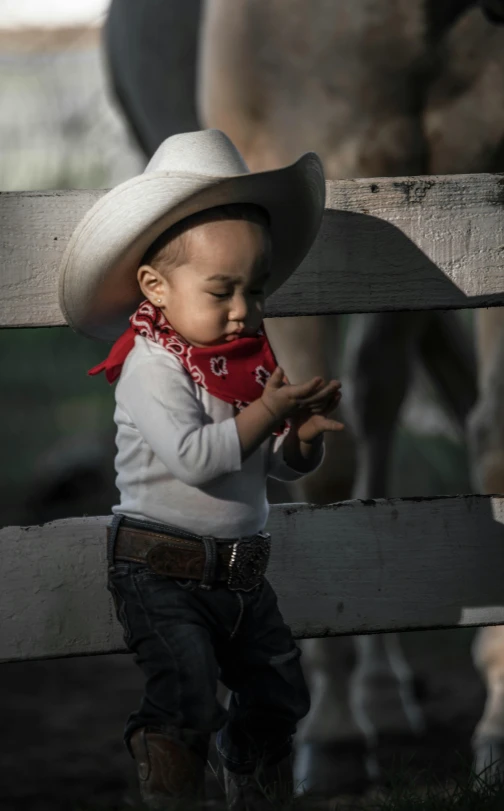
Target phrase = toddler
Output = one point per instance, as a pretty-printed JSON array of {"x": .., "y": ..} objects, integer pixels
[{"x": 188, "y": 252}]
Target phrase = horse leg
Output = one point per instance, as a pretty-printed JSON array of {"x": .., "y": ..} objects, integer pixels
[
  {"x": 488, "y": 739},
  {"x": 380, "y": 351},
  {"x": 331, "y": 748},
  {"x": 486, "y": 446},
  {"x": 303, "y": 346},
  {"x": 330, "y": 745},
  {"x": 306, "y": 346},
  {"x": 486, "y": 421},
  {"x": 446, "y": 350},
  {"x": 383, "y": 687}
]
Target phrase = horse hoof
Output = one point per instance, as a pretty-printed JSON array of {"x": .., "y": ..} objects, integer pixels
[
  {"x": 488, "y": 765},
  {"x": 328, "y": 769}
]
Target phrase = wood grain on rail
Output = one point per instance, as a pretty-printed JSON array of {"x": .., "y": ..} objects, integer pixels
[
  {"x": 388, "y": 244},
  {"x": 353, "y": 567}
]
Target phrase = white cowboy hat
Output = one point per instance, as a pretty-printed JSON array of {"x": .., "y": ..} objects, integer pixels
[{"x": 98, "y": 289}]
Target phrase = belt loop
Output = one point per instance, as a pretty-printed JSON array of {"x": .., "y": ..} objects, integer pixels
[
  {"x": 113, "y": 530},
  {"x": 209, "y": 569}
]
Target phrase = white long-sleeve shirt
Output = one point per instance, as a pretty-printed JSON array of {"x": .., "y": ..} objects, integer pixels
[{"x": 178, "y": 453}]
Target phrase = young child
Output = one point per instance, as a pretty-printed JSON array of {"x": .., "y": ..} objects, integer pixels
[{"x": 192, "y": 247}]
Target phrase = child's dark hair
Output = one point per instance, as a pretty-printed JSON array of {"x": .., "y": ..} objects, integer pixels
[{"x": 231, "y": 211}]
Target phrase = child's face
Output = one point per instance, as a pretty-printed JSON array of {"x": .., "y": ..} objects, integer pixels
[{"x": 216, "y": 291}]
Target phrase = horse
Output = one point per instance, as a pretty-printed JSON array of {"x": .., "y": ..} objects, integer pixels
[{"x": 377, "y": 88}]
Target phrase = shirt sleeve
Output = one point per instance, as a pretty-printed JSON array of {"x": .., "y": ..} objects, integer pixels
[
  {"x": 278, "y": 467},
  {"x": 161, "y": 402}
]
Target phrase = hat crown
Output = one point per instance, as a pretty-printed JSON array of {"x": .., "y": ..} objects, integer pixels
[{"x": 205, "y": 152}]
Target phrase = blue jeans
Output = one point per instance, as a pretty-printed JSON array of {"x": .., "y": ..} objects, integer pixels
[{"x": 185, "y": 638}]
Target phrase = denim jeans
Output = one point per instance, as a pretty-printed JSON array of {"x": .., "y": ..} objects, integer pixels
[{"x": 185, "y": 638}]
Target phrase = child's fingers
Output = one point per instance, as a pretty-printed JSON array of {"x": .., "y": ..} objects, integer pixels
[
  {"x": 333, "y": 403},
  {"x": 333, "y": 425},
  {"x": 327, "y": 405},
  {"x": 322, "y": 394},
  {"x": 333, "y": 400},
  {"x": 325, "y": 408},
  {"x": 276, "y": 378},
  {"x": 303, "y": 390}
]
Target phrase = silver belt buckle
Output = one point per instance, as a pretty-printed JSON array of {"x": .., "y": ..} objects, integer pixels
[{"x": 248, "y": 564}]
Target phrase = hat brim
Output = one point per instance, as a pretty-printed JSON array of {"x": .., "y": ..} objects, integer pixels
[{"x": 98, "y": 288}]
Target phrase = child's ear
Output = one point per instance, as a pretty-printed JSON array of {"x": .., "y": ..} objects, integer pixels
[{"x": 150, "y": 283}]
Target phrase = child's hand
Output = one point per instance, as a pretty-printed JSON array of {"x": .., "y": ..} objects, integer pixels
[
  {"x": 311, "y": 422},
  {"x": 283, "y": 400}
]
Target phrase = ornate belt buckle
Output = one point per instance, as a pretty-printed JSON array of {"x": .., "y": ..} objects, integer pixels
[{"x": 248, "y": 564}]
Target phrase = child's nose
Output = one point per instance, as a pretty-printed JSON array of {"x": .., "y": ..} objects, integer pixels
[{"x": 239, "y": 309}]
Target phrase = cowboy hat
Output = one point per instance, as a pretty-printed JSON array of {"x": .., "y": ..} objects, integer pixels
[{"x": 190, "y": 172}]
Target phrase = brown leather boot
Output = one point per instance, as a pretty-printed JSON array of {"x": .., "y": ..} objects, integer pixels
[
  {"x": 267, "y": 789},
  {"x": 168, "y": 770}
]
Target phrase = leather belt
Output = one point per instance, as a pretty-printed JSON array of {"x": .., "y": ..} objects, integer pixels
[{"x": 241, "y": 564}]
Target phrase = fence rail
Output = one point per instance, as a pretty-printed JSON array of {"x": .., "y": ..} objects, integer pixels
[
  {"x": 386, "y": 244},
  {"x": 353, "y": 567}
]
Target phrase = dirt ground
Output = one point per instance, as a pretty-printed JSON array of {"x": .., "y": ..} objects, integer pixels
[{"x": 61, "y": 743}]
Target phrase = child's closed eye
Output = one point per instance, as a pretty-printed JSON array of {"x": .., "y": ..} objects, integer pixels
[{"x": 222, "y": 296}]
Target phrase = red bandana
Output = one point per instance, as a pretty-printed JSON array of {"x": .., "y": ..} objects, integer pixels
[{"x": 235, "y": 371}]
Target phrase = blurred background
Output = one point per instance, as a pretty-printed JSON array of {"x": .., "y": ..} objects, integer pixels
[
  {"x": 62, "y": 720},
  {"x": 58, "y": 131}
]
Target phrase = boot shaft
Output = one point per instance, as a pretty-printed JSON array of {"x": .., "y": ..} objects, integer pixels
[{"x": 168, "y": 770}]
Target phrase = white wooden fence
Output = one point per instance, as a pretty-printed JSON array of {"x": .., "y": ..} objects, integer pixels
[{"x": 386, "y": 244}]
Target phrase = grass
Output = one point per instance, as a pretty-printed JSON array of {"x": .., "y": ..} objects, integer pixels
[
  {"x": 421, "y": 794},
  {"x": 455, "y": 797},
  {"x": 426, "y": 792}
]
